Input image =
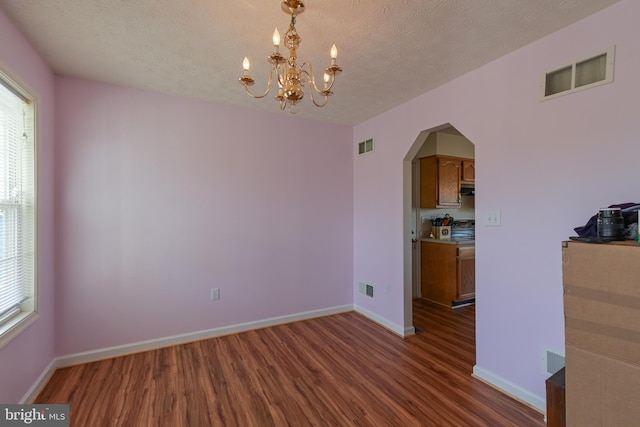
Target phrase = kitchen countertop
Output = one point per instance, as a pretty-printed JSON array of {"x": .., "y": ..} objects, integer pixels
[{"x": 467, "y": 242}]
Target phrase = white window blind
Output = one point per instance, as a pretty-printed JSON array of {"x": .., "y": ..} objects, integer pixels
[{"x": 17, "y": 205}]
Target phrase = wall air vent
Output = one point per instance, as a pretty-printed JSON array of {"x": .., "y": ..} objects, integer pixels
[
  {"x": 369, "y": 291},
  {"x": 365, "y": 147},
  {"x": 584, "y": 73},
  {"x": 365, "y": 289},
  {"x": 555, "y": 362}
]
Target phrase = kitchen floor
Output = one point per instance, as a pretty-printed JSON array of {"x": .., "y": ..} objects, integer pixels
[{"x": 448, "y": 325}]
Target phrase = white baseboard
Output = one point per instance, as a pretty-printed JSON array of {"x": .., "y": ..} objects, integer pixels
[
  {"x": 91, "y": 356},
  {"x": 409, "y": 330},
  {"x": 393, "y": 327},
  {"x": 42, "y": 380},
  {"x": 121, "y": 350},
  {"x": 507, "y": 387}
]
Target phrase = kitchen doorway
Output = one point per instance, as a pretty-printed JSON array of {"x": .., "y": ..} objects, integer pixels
[{"x": 447, "y": 277}]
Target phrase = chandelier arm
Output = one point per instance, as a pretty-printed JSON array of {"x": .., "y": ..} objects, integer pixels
[
  {"x": 266, "y": 92},
  {"x": 313, "y": 89},
  {"x": 281, "y": 77},
  {"x": 330, "y": 85},
  {"x": 310, "y": 76},
  {"x": 313, "y": 99}
]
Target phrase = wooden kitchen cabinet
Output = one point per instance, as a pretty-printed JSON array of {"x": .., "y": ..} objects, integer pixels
[
  {"x": 466, "y": 277},
  {"x": 468, "y": 171},
  {"x": 440, "y": 179},
  {"x": 448, "y": 272}
]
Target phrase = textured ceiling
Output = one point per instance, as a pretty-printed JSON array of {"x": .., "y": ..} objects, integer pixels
[{"x": 390, "y": 51}]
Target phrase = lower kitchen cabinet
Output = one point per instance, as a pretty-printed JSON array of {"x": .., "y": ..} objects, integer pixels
[
  {"x": 466, "y": 278},
  {"x": 448, "y": 272}
]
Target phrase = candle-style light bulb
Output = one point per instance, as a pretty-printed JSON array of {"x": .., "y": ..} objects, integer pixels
[
  {"x": 326, "y": 80},
  {"x": 245, "y": 65},
  {"x": 276, "y": 38},
  {"x": 334, "y": 54}
]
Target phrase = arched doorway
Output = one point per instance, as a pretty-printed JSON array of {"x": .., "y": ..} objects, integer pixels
[{"x": 442, "y": 142}]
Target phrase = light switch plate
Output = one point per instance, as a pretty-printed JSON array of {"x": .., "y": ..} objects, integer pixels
[{"x": 493, "y": 219}]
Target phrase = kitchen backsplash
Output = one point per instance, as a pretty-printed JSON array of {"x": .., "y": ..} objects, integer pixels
[{"x": 467, "y": 211}]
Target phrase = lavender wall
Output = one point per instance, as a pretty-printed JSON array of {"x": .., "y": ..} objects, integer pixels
[
  {"x": 162, "y": 198},
  {"x": 548, "y": 166},
  {"x": 24, "y": 358}
]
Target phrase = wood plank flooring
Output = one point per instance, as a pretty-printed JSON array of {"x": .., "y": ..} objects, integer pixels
[{"x": 341, "y": 370}]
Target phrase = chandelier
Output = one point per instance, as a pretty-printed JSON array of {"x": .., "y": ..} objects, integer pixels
[{"x": 290, "y": 77}]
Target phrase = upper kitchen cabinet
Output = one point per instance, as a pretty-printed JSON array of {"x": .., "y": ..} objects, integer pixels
[
  {"x": 440, "y": 179},
  {"x": 468, "y": 171}
]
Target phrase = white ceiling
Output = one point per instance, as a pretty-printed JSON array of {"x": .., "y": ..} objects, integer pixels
[{"x": 390, "y": 51}]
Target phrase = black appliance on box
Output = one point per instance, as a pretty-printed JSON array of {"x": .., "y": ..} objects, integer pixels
[
  {"x": 617, "y": 222},
  {"x": 610, "y": 224}
]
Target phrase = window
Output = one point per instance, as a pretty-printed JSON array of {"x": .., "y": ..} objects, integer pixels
[
  {"x": 17, "y": 210},
  {"x": 585, "y": 73}
]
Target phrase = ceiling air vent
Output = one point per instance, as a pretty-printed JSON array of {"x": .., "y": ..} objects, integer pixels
[
  {"x": 581, "y": 74},
  {"x": 365, "y": 147}
]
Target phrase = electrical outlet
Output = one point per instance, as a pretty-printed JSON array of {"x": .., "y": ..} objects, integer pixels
[
  {"x": 215, "y": 294},
  {"x": 493, "y": 219}
]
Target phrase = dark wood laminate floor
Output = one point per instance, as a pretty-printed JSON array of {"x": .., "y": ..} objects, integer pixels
[{"x": 340, "y": 370}]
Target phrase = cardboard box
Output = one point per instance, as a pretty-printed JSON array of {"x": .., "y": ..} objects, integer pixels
[
  {"x": 602, "y": 332},
  {"x": 600, "y": 391},
  {"x": 442, "y": 232}
]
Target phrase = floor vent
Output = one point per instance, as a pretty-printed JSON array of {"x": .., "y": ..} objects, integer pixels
[
  {"x": 365, "y": 289},
  {"x": 555, "y": 362}
]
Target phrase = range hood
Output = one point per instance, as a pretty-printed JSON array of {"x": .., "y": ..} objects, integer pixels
[{"x": 467, "y": 190}]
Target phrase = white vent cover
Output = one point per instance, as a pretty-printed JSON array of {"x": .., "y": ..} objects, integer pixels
[
  {"x": 555, "y": 362},
  {"x": 365, "y": 147},
  {"x": 583, "y": 73},
  {"x": 365, "y": 289}
]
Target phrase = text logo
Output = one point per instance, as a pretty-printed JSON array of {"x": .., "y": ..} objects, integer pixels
[{"x": 34, "y": 415}]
